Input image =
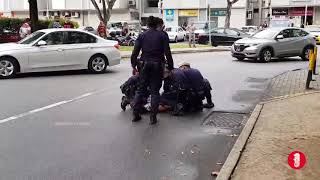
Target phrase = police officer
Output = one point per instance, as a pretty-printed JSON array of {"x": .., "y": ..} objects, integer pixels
[
  {"x": 154, "y": 45},
  {"x": 175, "y": 84},
  {"x": 198, "y": 83}
]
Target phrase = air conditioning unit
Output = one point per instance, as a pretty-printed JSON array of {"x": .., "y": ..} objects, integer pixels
[
  {"x": 75, "y": 14},
  {"x": 132, "y": 2}
]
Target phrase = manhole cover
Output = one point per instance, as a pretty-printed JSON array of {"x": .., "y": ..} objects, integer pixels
[{"x": 225, "y": 120}]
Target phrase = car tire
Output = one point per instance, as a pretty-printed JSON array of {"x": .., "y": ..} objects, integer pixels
[
  {"x": 176, "y": 39},
  {"x": 131, "y": 43},
  {"x": 266, "y": 55},
  {"x": 214, "y": 44},
  {"x": 8, "y": 68},
  {"x": 305, "y": 53},
  {"x": 97, "y": 64}
]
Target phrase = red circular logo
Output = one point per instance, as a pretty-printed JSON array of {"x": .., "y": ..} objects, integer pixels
[{"x": 296, "y": 160}]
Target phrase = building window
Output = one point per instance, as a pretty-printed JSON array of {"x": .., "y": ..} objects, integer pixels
[{"x": 153, "y": 3}]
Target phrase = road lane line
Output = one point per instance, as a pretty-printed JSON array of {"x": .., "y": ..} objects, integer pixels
[{"x": 49, "y": 106}]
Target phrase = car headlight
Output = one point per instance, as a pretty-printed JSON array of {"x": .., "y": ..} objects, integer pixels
[{"x": 254, "y": 44}]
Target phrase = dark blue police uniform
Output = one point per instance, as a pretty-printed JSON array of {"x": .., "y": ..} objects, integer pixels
[
  {"x": 154, "y": 46},
  {"x": 173, "y": 85}
]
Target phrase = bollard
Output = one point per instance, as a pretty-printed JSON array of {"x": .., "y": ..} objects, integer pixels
[
  {"x": 311, "y": 69},
  {"x": 315, "y": 55}
]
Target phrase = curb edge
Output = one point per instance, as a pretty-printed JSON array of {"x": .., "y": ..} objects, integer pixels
[{"x": 235, "y": 153}]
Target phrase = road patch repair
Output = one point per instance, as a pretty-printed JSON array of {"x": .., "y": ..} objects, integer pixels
[{"x": 275, "y": 129}]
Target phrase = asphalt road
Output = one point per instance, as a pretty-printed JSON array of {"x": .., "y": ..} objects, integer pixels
[{"x": 69, "y": 126}]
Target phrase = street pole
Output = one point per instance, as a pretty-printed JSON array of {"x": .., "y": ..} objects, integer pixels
[
  {"x": 209, "y": 21},
  {"x": 47, "y": 9},
  {"x": 305, "y": 15},
  {"x": 140, "y": 15}
]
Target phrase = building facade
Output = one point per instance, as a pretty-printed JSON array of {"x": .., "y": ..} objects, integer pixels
[
  {"x": 283, "y": 12},
  {"x": 177, "y": 13},
  {"x": 82, "y": 11}
]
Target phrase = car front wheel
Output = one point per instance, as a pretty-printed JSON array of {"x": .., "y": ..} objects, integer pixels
[
  {"x": 8, "y": 68},
  {"x": 97, "y": 64},
  {"x": 266, "y": 55}
]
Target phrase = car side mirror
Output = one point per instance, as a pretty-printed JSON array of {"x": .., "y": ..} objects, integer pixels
[
  {"x": 41, "y": 43},
  {"x": 279, "y": 37},
  {"x": 238, "y": 34}
]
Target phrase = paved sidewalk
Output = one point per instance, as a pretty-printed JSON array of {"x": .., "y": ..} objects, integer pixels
[
  {"x": 127, "y": 54},
  {"x": 290, "y": 83},
  {"x": 283, "y": 126}
]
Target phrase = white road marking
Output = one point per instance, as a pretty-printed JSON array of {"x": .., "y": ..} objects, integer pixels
[{"x": 49, "y": 106}]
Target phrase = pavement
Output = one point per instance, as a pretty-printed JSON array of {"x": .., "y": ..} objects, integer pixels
[
  {"x": 69, "y": 125},
  {"x": 286, "y": 121},
  {"x": 127, "y": 54}
]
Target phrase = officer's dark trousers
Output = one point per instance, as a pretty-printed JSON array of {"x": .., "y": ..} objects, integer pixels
[{"x": 150, "y": 76}]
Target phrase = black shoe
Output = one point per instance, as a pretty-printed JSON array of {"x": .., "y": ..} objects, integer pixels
[
  {"x": 136, "y": 117},
  {"x": 208, "y": 105},
  {"x": 153, "y": 119},
  {"x": 124, "y": 103}
]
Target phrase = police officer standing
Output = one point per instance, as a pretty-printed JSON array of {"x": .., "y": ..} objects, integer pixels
[{"x": 154, "y": 45}]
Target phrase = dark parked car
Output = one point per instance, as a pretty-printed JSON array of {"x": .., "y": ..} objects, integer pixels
[
  {"x": 9, "y": 35},
  {"x": 222, "y": 36}
]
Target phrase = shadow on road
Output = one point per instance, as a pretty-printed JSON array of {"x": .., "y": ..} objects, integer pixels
[
  {"x": 295, "y": 59},
  {"x": 62, "y": 73}
]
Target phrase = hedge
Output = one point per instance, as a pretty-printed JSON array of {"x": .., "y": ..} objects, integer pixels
[{"x": 16, "y": 23}]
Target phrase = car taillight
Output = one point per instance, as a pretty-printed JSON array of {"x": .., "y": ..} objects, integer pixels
[{"x": 117, "y": 46}]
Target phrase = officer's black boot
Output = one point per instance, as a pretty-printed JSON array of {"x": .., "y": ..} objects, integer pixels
[
  {"x": 209, "y": 104},
  {"x": 123, "y": 103},
  {"x": 136, "y": 116},
  {"x": 153, "y": 118}
]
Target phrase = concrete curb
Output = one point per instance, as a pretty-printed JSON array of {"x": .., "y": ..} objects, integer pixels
[
  {"x": 232, "y": 160},
  {"x": 190, "y": 51},
  {"x": 235, "y": 154}
]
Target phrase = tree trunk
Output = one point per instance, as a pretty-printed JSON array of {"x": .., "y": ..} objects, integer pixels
[
  {"x": 107, "y": 6},
  {"x": 33, "y": 11},
  {"x": 228, "y": 15}
]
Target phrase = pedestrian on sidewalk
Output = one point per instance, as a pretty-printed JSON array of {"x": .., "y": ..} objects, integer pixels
[
  {"x": 154, "y": 45},
  {"x": 192, "y": 37},
  {"x": 102, "y": 30},
  {"x": 56, "y": 23},
  {"x": 25, "y": 29},
  {"x": 68, "y": 24}
]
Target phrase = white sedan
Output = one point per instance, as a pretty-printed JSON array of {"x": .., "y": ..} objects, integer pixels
[
  {"x": 58, "y": 50},
  {"x": 176, "y": 33}
]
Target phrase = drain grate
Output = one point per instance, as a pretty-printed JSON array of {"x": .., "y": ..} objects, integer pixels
[{"x": 225, "y": 120}]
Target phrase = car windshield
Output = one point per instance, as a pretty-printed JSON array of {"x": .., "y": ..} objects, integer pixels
[
  {"x": 313, "y": 30},
  {"x": 31, "y": 38},
  {"x": 266, "y": 34},
  {"x": 201, "y": 25}
]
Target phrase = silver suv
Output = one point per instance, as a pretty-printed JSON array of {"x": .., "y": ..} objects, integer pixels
[{"x": 274, "y": 42}]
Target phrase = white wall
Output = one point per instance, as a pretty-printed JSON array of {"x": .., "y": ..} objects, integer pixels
[
  {"x": 237, "y": 20},
  {"x": 280, "y": 3},
  {"x": 2, "y": 5},
  {"x": 58, "y": 4},
  {"x": 195, "y": 4}
]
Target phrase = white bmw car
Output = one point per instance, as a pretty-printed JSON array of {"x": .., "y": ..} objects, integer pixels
[{"x": 58, "y": 50}]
